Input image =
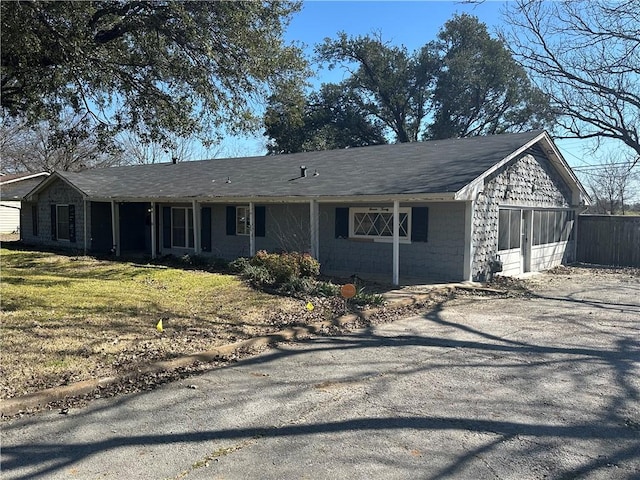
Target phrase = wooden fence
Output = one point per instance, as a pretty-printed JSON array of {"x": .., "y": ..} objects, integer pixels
[{"x": 609, "y": 240}]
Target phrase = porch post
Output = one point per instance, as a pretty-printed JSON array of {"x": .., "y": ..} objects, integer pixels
[
  {"x": 196, "y": 227},
  {"x": 314, "y": 229},
  {"x": 85, "y": 225},
  {"x": 396, "y": 242},
  {"x": 252, "y": 230},
  {"x": 154, "y": 246},
  {"x": 115, "y": 228},
  {"x": 468, "y": 243}
]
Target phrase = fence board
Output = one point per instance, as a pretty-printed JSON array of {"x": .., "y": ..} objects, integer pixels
[{"x": 609, "y": 240}]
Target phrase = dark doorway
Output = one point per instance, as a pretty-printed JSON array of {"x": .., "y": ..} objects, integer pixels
[
  {"x": 135, "y": 228},
  {"x": 101, "y": 233}
]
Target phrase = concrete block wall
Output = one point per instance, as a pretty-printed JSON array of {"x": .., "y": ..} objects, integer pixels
[
  {"x": 441, "y": 257},
  {"x": 58, "y": 193},
  {"x": 527, "y": 181},
  {"x": 286, "y": 229}
]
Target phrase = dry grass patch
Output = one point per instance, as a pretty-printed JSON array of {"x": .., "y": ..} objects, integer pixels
[{"x": 66, "y": 319}]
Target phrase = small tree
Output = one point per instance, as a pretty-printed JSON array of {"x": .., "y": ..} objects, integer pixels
[
  {"x": 586, "y": 57},
  {"x": 613, "y": 184}
]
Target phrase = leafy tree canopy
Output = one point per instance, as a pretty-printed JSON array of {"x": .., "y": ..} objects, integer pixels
[
  {"x": 159, "y": 69},
  {"x": 481, "y": 90},
  {"x": 390, "y": 83},
  {"x": 330, "y": 118},
  {"x": 463, "y": 83}
]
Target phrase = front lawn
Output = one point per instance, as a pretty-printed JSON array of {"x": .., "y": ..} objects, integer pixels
[{"x": 66, "y": 319}]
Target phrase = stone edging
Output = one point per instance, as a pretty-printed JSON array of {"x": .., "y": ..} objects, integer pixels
[{"x": 12, "y": 406}]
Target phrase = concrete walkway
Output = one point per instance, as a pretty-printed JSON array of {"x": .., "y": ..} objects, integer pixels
[{"x": 547, "y": 387}]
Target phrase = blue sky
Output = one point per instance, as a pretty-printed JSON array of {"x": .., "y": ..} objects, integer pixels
[{"x": 409, "y": 23}]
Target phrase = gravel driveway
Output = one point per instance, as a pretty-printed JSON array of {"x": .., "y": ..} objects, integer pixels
[{"x": 542, "y": 386}]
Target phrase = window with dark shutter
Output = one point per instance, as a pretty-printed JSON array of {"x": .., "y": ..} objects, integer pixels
[
  {"x": 72, "y": 223},
  {"x": 342, "y": 222},
  {"x": 54, "y": 222},
  {"x": 63, "y": 222},
  {"x": 260, "y": 214},
  {"x": 166, "y": 227},
  {"x": 231, "y": 220},
  {"x": 34, "y": 220},
  {"x": 419, "y": 224},
  {"x": 205, "y": 234}
]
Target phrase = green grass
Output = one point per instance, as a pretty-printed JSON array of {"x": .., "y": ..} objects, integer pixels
[{"x": 68, "y": 318}]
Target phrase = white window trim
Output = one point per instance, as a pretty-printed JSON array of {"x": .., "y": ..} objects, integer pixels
[
  {"x": 188, "y": 215},
  {"x": 379, "y": 238},
  {"x": 247, "y": 220},
  {"x": 68, "y": 239}
]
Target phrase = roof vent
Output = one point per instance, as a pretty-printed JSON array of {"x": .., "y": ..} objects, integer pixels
[
  {"x": 228, "y": 180},
  {"x": 315, "y": 174},
  {"x": 303, "y": 171}
]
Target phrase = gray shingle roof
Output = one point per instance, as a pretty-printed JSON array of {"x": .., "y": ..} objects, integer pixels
[
  {"x": 437, "y": 166},
  {"x": 17, "y": 190}
]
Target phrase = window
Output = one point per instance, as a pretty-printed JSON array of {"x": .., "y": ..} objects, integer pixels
[
  {"x": 182, "y": 227},
  {"x": 62, "y": 222},
  {"x": 238, "y": 221},
  {"x": 509, "y": 229},
  {"x": 243, "y": 222},
  {"x": 377, "y": 223},
  {"x": 552, "y": 226}
]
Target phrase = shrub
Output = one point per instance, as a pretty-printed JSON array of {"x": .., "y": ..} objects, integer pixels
[
  {"x": 363, "y": 298},
  {"x": 327, "y": 289},
  {"x": 309, "y": 266},
  {"x": 285, "y": 267},
  {"x": 239, "y": 264},
  {"x": 298, "y": 285},
  {"x": 258, "y": 275},
  {"x": 194, "y": 260}
]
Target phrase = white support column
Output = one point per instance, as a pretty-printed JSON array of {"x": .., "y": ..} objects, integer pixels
[
  {"x": 84, "y": 221},
  {"x": 468, "y": 242},
  {"x": 196, "y": 227},
  {"x": 154, "y": 240},
  {"x": 252, "y": 230},
  {"x": 115, "y": 227},
  {"x": 314, "y": 220},
  {"x": 396, "y": 242}
]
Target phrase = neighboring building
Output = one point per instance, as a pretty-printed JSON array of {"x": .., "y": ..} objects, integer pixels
[
  {"x": 461, "y": 205},
  {"x": 13, "y": 188}
]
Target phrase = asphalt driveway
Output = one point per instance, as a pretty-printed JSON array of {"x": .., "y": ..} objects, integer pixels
[{"x": 482, "y": 388}]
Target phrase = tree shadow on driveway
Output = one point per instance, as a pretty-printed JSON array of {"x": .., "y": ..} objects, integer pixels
[{"x": 445, "y": 346}]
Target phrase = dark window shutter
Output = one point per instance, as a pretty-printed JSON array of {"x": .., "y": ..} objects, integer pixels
[
  {"x": 419, "y": 224},
  {"x": 34, "y": 220},
  {"x": 342, "y": 222},
  {"x": 205, "y": 234},
  {"x": 166, "y": 227},
  {"x": 54, "y": 223},
  {"x": 72, "y": 223},
  {"x": 231, "y": 220},
  {"x": 260, "y": 214}
]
